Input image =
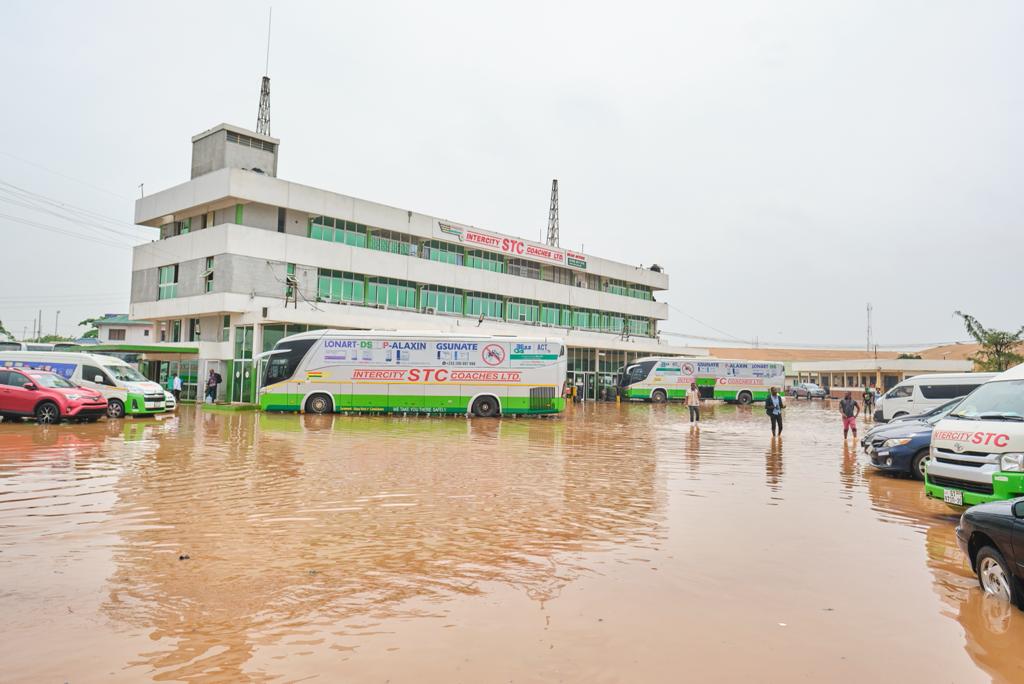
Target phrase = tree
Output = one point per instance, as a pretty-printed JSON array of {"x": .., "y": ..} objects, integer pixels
[
  {"x": 90, "y": 323},
  {"x": 908, "y": 356},
  {"x": 5, "y": 332},
  {"x": 998, "y": 348}
]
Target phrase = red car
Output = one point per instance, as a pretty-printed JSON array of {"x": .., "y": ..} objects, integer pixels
[{"x": 47, "y": 397}]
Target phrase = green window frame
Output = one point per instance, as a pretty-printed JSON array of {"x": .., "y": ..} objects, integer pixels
[
  {"x": 522, "y": 311},
  {"x": 441, "y": 299},
  {"x": 289, "y": 278},
  {"x": 337, "y": 230},
  {"x": 486, "y": 261},
  {"x": 549, "y": 315},
  {"x": 239, "y": 213},
  {"x": 167, "y": 287},
  {"x": 490, "y": 306},
  {"x": 208, "y": 278},
  {"x": 393, "y": 243},
  {"x": 446, "y": 253},
  {"x": 340, "y": 286},
  {"x": 390, "y": 293},
  {"x": 225, "y": 332}
]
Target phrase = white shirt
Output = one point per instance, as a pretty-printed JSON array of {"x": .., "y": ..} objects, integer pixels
[{"x": 176, "y": 385}]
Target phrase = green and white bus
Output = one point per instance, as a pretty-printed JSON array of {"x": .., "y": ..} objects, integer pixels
[
  {"x": 337, "y": 371},
  {"x": 659, "y": 379}
]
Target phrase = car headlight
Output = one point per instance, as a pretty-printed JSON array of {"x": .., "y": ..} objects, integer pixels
[
  {"x": 1011, "y": 463},
  {"x": 76, "y": 397},
  {"x": 896, "y": 442}
]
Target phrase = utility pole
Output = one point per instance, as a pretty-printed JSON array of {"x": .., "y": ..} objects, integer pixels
[
  {"x": 868, "y": 348},
  {"x": 56, "y": 321},
  {"x": 553, "y": 215}
]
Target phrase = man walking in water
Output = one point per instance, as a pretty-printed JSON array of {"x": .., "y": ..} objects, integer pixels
[
  {"x": 849, "y": 409},
  {"x": 693, "y": 402},
  {"x": 773, "y": 406}
]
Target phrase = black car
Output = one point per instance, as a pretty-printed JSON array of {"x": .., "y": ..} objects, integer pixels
[{"x": 988, "y": 534}]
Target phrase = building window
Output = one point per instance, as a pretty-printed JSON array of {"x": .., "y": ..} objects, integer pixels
[
  {"x": 193, "y": 330},
  {"x": 338, "y": 286},
  {"x": 336, "y": 230},
  {"x": 225, "y": 332},
  {"x": 176, "y": 330},
  {"x": 280, "y": 219},
  {"x": 444, "y": 252},
  {"x": 522, "y": 310},
  {"x": 183, "y": 227},
  {"x": 524, "y": 268},
  {"x": 391, "y": 293},
  {"x": 487, "y": 261},
  {"x": 116, "y": 334},
  {"x": 639, "y": 326},
  {"x": 550, "y": 315},
  {"x": 441, "y": 300},
  {"x": 290, "y": 282},
  {"x": 168, "y": 282},
  {"x": 208, "y": 275},
  {"x": 489, "y": 306},
  {"x": 395, "y": 243},
  {"x": 239, "y": 213},
  {"x": 556, "y": 274},
  {"x": 145, "y": 333}
]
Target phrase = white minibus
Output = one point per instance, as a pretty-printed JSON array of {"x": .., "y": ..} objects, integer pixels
[
  {"x": 127, "y": 391},
  {"x": 922, "y": 393}
]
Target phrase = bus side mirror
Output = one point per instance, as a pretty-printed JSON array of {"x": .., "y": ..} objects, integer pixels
[{"x": 1018, "y": 509}]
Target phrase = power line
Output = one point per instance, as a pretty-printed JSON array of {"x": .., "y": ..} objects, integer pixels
[
  {"x": 54, "y": 229},
  {"x": 707, "y": 325},
  {"x": 63, "y": 175}
]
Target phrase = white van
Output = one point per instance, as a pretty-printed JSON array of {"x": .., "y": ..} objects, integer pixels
[
  {"x": 922, "y": 393},
  {"x": 127, "y": 391},
  {"x": 977, "y": 450}
]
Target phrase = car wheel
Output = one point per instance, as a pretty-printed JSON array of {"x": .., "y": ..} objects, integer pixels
[
  {"x": 744, "y": 398},
  {"x": 919, "y": 464},
  {"x": 47, "y": 413},
  {"x": 115, "y": 408},
  {"x": 485, "y": 407},
  {"x": 899, "y": 414},
  {"x": 318, "y": 403},
  {"x": 994, "y": 575},
  {"x": 658, "y": 396}
]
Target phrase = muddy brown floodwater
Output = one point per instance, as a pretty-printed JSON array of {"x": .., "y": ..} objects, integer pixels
[{"x": 612, "y": 544}]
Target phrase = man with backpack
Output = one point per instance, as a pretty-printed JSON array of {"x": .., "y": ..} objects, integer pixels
[{"x": 211, "y": 386}]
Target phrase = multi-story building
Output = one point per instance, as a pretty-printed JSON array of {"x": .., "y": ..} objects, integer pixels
[{"x": 245, "y": 258}]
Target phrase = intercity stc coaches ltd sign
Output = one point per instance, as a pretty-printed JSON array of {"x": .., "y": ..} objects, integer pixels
[{"x": 512, "y": 246}]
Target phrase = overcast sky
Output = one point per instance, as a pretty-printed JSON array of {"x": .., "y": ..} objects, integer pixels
[{"x": 787, "y": 162}]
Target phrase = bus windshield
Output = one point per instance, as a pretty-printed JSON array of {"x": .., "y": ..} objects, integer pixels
[
  {"x": 637, "y": 373},
  {"x": 286, "y": 358},
  {"x": 126, "y": 374}
]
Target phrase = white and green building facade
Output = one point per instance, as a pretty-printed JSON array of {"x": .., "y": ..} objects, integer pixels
[{"x": 244, "y": 258}]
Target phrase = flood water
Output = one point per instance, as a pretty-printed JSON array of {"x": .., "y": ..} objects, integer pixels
[{"x": 612, "y": 544}]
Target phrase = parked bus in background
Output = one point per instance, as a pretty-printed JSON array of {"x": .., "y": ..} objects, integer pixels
[
  {"x": 659, "y": 379},
  {"x": 335, "y": 371},
  {"x": 38, "y": 346},
  {"x": 126, "y": 390}
]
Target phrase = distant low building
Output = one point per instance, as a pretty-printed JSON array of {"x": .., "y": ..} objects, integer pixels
[
  {"x": 120, "y": 329},
  {"x": 851, "y": 374}
]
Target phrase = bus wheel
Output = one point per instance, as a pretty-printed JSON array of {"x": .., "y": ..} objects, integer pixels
[
  {"x": 485, "y": 407},
  {"x": 318, "y": 403},
  {"x": 744, "y": 398},
  {"x": 658, "y": 396},
  {"x": 115, "y": 408}
]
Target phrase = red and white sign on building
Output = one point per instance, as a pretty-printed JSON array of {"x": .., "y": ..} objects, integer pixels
[{"x": 510, "y": 246}]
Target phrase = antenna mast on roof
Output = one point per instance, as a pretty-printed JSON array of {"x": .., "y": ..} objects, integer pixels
[
  {"x": 869, "y": 330},
  {"x": 553, "y": 215},
  {"x": 263, "y": 119}
]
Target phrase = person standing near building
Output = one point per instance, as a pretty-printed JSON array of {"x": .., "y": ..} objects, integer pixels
[
  {"x": 849, "y": 409},
  {"x": 693, "y": 402},
  {"x": 212, "y": 381},
  {"x": 773, "y": 406},
  {"x": 869, "y": 400},
  {"x": 176, "y": 388}
]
